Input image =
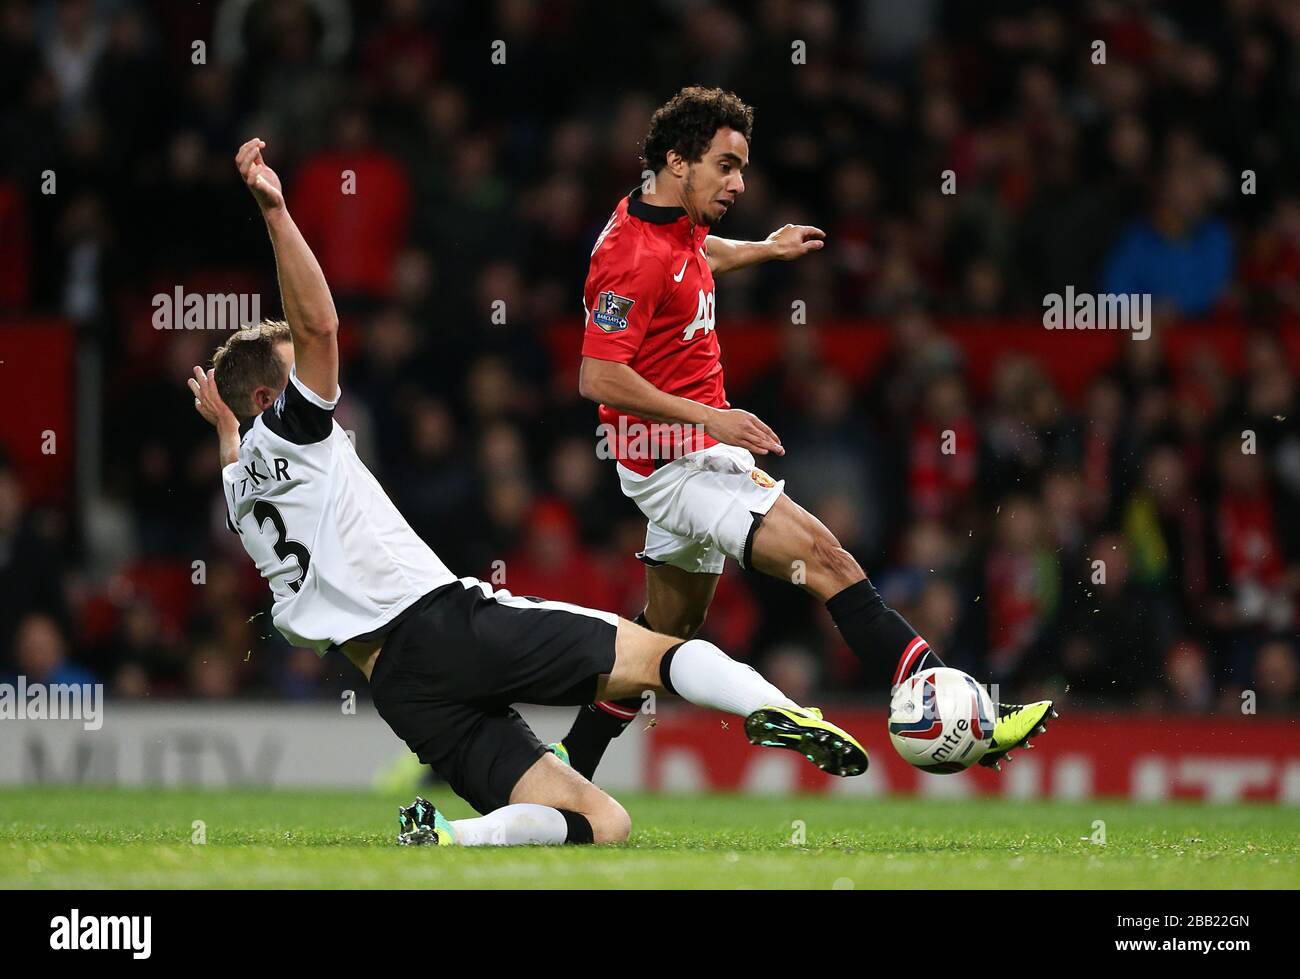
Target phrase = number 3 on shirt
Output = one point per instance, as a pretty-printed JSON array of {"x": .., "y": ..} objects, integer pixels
[
  {"x": 703, "y": 318},
  {"x": 284, "y": 548}
]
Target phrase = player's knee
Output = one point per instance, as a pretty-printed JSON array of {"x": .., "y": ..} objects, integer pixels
[
  {"x": 833, "y": 562},
  {"x": 610, "y": 822}
]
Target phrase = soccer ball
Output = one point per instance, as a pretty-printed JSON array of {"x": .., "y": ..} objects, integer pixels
[{"x": 941, "y": 720}]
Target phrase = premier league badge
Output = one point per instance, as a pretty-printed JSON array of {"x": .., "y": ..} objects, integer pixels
[{"x": 611, "y": 311}]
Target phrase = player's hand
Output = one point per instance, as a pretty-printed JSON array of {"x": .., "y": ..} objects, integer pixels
[
  {"x": 793, "y": 241},
  {"x": 208, "y": 403},
  {"x": 261, "y": 179},
  {"x": 737, "y": 427}
]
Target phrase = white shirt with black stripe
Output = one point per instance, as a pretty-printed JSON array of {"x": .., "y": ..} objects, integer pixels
[{"x": 339, "y": 557}]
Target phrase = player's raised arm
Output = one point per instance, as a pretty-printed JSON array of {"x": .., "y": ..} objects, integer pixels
[
  {"x": 785, "y": 244},
  {"x": 304, "y": 293}
]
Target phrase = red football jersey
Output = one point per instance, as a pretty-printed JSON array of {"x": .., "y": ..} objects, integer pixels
[{"x": 649, "y": 304}]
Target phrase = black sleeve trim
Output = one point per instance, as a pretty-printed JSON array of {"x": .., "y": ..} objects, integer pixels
[
  {"x": 298, "y": 420},
  {"x": 745, "y": 558}
]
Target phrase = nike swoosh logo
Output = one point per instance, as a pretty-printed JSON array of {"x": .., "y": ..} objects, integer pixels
[{"x": 678, "y": 276}]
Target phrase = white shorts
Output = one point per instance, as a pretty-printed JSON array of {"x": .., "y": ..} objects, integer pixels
[{"x": 701, "y": 507}]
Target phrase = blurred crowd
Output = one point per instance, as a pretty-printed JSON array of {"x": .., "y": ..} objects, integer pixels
[{"x": 1131, "y": 546}]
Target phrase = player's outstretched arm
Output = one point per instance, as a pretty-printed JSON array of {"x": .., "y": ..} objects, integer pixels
[
  {"x": 623, "y": 389},
  {"x": 786, "y": 243},
  {"x": 208, "y": 403},
  {"x": 304, "y": 293}
]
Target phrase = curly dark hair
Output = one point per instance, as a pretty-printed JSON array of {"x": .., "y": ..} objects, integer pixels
[{"x": 686, "y": 123}]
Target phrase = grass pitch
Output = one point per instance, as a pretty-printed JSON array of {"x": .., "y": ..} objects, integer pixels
[{"x": 107, "y": 838}]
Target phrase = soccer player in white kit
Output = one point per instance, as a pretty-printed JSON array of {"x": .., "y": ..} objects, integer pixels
[{"x": 446, "y": 657}]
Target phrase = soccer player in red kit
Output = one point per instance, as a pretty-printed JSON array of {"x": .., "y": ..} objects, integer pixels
[{"x": 651, "y": 358}]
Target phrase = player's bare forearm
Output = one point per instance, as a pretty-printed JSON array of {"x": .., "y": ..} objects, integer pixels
[
  {"x": 623, "y": 389},
  {"x": 304, "y": 293},
  {"x": 228, "y": 444},
  {"x": 726, "y": 254},
  {"x": 308, "y": 305},
  {"x": 786, "y": 243}
]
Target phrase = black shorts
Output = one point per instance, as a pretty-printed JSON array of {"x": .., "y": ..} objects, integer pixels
[{"x": 447, "y": 675}]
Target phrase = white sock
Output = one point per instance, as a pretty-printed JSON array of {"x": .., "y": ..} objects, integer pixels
[
  {"x": 703, "y": 674},
  {"x": 514, "y": 825}
]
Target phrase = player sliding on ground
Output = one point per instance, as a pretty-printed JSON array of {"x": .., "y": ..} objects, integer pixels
[
  {"x": 650, "y": 356},
  {"x": 446, "y": 657}
]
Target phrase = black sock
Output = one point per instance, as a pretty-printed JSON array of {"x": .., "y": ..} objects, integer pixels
[
  {"x": 594, "y": 728},
  {"x": 665, "y": 668},
  {"x": 579, "y": 827},
  {"x": 597, "y": 725},
  {"x": 873, "y": 629}
]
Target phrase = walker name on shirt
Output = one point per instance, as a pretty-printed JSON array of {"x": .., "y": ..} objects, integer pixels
[{"x": 254, "y": 478}]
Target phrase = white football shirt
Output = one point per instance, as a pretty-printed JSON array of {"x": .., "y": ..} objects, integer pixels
[{"x": 339, "y": 557}]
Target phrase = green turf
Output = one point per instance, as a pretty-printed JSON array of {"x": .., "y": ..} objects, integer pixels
[{"x": 142, "y": 838}]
